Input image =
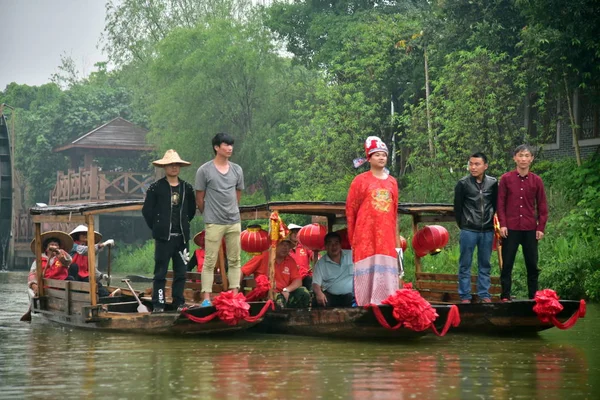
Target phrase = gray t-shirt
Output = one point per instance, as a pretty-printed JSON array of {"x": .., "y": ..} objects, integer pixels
[{"x": 220, "y": 197}]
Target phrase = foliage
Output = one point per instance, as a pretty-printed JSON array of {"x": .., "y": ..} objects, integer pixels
[
  {"x": 134, "y": 27},
  {"x": 222, "y": 77},
  {"x": 135, "y": 259},
  {"x": 474, "y": 104}
]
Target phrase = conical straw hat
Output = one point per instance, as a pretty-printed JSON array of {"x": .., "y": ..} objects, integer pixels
[
  {"x": 66, "y": 241},
  {"x": 84, "y": 229},
  {"x": 170, "y": 157}
]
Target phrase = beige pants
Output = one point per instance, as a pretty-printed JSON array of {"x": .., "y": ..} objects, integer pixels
[{"x": 212, "y": 242}]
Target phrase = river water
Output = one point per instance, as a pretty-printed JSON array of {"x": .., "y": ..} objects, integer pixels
[{"x": 45, "y": 361}]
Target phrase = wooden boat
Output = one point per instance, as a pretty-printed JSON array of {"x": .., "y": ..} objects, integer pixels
[
  {"x": 75, "y": 304},
  {"x": 339, "y": 322},
  {"x": 516, "y": 317}
]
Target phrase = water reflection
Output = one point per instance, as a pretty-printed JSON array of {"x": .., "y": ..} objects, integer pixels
[{"x": 46, "y": 361}]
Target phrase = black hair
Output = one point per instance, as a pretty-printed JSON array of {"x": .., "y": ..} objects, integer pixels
[
  {"x": 48, "y": 240},
  {"x": 480, "y": 155},
  {"x": 523, "y": 147},
  {"x": 221, "y": 138},
  {"x": 333, "y": 235}
]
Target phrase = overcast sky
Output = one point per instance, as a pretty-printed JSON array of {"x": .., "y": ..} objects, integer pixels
[{"x": 36, "y": 32}]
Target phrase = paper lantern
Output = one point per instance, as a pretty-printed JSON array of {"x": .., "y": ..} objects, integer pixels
[
  {"x": 430, "y": 240},
  {"x": 313, "y": 236},
  {"x": 254, "y": 240}
]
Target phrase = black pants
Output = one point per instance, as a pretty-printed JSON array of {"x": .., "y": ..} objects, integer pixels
[
  {"x": 336, "y": 300},
  {"x": 74, "y": 276},
  {"x": 510, "y": 245},
  {"x": 164, "y": 251}
]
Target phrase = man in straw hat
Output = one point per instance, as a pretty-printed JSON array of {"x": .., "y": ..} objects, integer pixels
[
  {"x": 168, "y": 209},
  {"x": 219, "y": 185},
  {"x": 79, "y": 268},
  {"x": 288, "y": 281},
  {"x": 55, "y": 260}
]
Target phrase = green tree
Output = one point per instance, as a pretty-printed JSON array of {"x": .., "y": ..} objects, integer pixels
[{"x": 223, "y": 76}]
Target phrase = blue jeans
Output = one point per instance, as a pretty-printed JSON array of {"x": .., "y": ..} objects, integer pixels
[{"x": 468, "y": 241}]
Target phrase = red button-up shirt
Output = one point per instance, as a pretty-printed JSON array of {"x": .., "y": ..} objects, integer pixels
[{"x": 522, "y": 202}]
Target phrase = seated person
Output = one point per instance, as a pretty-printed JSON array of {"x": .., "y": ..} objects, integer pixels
[
  {"x": 55, "y": 260},
  {"x": 79, "y": 269},
  {"x": 301, "y": 255},
  {"x": 290, "y": 292},
  {"x": 333, "y": 277}
]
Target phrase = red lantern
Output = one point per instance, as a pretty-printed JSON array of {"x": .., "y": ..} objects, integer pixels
[
  {"x": 313, "y": 236},
  {"x": 403, "y": 244},
  {"x": 430, "y": 240},
  {"x": 254, "y": 240},
  {"x": 344, "y": 235}
]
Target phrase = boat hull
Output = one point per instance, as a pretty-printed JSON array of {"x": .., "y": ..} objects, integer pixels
[
  {"x": 342, "y": 323},
  {"x": 515, "y": 317},
  {"x": 99, "y": 319}
]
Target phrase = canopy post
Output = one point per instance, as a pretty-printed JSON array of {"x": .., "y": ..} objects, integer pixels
[
  {"x": 415, "y": 228},
  {"x": 39, "y": 273},
  {"x": 92, "y": 258}
]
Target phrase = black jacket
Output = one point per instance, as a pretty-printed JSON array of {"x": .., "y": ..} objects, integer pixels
[
  {"x": 157, "y": 209},
  {"x": 474, "y": 208}
]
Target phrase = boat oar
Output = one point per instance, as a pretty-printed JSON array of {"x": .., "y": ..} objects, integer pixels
[
  {"x": 141, "y": 308},
  {"x": 27, "y": 316}
]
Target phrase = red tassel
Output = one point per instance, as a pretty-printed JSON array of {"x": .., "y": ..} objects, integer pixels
[
  {"x": 262, "y": 288},
  {"x": 547, "y": 305}
]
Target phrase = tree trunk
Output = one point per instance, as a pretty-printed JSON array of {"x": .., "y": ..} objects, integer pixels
[
  {"x": 429, "y": 130},
  {"x": 574, "y": 126}
]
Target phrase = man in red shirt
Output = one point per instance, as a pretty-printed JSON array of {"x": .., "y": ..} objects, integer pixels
[
  {"x": 301, "y": 255},
  {"x": 523, "y": 213},
  {"x": 288, "y": 282}
]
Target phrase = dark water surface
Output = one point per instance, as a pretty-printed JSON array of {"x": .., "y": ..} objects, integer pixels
[{"x": 45, "y": 361}]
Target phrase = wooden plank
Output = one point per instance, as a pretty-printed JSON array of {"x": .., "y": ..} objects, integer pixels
[
  {"x": 450, "y": 278},
  {"x": 436, "y": 218},
  {"x": 67, "y": 218},
  {"x": 64, "y": 295},
  {"x": 113, "y": 210},
  {"x": 60, "y": 284},
  {"x": 451, "y": 287}
]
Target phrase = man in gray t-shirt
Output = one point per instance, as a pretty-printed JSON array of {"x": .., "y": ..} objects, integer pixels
[{"x": 219, "y": 185}]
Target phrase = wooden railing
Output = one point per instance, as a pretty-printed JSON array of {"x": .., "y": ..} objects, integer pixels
[{"x": 89, "y": 185}]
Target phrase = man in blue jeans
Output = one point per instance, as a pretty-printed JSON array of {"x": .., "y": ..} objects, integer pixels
[{"x": 475, "y": 198}]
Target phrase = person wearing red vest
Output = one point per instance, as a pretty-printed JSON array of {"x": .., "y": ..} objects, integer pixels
[
  {"x": 302, "y": 256},
  {"x": 79, "y": 269},
  {"x": 55, "y": 260}
]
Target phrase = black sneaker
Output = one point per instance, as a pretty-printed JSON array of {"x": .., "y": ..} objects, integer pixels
[{"x": 158, "y": 310}]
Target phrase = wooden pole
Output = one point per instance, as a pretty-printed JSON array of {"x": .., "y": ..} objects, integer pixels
[
  {"x": 92, "y": 258},
  {"x": 415, "y": 228},
  {"x": 39, "y": 273},
  {"x": 273, "y": 289}
]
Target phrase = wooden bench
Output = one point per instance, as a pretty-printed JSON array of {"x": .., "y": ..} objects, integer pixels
[{"x": 444, "y": 287}]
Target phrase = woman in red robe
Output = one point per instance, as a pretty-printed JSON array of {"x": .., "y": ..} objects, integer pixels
[{"x": 371, "y": 212}]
